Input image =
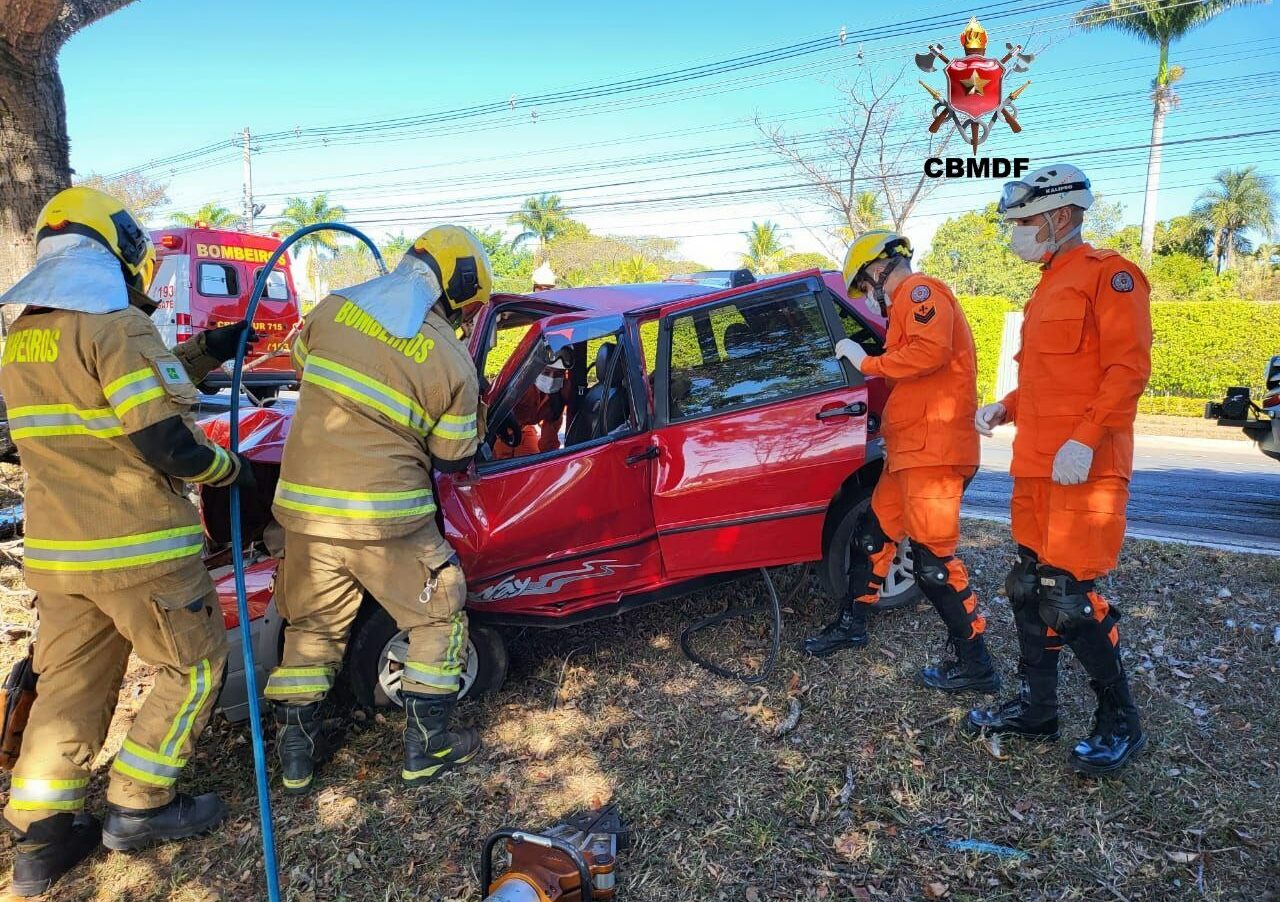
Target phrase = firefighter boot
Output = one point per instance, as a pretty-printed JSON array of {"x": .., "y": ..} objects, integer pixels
[
  {"x": 298, "y": 745},
  {"x": 1117, "y": 734},
  {"x": 430, "y": 747},
  {"x": 972, "y": 669},
  {"x": 849, "y": 630},
  {"x": 131, "y": 829},
  {"x": 50, "y": 848},
  {"x": 1032, "y": 713}
]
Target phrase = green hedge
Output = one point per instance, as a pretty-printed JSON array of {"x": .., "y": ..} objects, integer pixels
[{"x": 1200, "y": 349}]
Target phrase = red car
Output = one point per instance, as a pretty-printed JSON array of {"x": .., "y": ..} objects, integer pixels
[{"x": 702, "y": 431}]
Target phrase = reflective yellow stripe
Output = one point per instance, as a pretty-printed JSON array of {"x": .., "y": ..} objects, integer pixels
[
  {"x": 358, "y": 387},
  {"x": 291, "y": 681},
  {"x": 217, "y": 470},
  {"x": 299, "y": 353},
  {"x": 71, "y": 556},
  {"x": 133, "y": 389},
  {"x": 201, "y": 687},
  {"x": 149, "y": 395},
  {"x": 31, "y": 794},
  {"x": 455, "y": 428},
  {"x": 127, "y": 379},
  {"x": 354, "y": 505},
  {"x": 43, "y": 420}
]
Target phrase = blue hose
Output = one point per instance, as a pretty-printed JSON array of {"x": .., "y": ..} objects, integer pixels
[{"x": 237, "y": 557}]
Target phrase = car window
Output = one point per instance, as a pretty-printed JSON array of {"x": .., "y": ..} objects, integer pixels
[
  {"x": 277, "y": 286},
  {"x": 858, "y": 330},
  {"x": 592, "y": 400},
  {"x": 507, "y": 333},
  {"x": 742, "y": 353},
  {"x": 219, "y": 280}
]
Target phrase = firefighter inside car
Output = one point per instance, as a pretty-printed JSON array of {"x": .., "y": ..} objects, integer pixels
[{"x": 537, "y": 422}]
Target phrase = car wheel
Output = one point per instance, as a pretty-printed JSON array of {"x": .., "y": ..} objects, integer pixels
[
  {"x": 378, "y": 650},
  {"x": 900, "y": 589}
]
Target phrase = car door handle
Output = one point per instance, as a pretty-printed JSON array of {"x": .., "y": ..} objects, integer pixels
[
  {"x": 647, "y": 454},
  {"x": 856, "y": 409}
]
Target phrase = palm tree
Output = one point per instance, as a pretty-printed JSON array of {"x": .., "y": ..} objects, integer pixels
[
  {"x": 638, "y": 269},
  {"x": 1239, "y": 200},
  {"x": 1160, "y": 22},
  {"x": 211, "y": 214},
  {"x": 765, "y": 249},
  {"x": 541, "y": 217},
  {"x": 300, "y": 212}
]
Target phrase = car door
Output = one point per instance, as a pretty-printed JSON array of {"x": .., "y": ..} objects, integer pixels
[
  {"x": 561, "y": 531},
  {"x": 758, "y": 425}
]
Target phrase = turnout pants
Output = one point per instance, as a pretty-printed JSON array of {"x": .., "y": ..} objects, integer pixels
[
  {"x": 1077, "y": 529},
  {"x": 321, "y": 586},
  {"x": 921, "y": 504},
  {"x": 174, "y": 623}
]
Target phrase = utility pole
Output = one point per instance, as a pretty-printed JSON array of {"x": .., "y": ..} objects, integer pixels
[{"x": 249, "y": 211}]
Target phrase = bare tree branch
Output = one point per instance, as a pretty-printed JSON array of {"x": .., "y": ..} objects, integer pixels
[{"x": 862, "y": 175}]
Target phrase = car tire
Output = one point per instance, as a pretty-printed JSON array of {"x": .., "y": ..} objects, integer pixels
[
  {"x": 900, "y": 588},
  {"x": 378, "y": 646}
]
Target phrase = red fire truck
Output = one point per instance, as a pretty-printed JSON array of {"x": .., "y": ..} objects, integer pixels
[{"x": 203, "y": 280}]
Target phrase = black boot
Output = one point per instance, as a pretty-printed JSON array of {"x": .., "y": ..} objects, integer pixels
[
  {"x": 51, "y": 847},
  {"x": 131, "y": 829},
  {"x": 1117, "y": 733},
  {"x": 971, "y": 670},
  {"x": 1032, "y": 713},
  {"x": 849, "y": 630},
  {"x": 298, "y": 745},
  {"x": 430, "y": 747}
]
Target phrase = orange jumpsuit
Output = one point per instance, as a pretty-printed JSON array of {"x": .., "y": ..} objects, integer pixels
[
  {"x": 931, "y": 449},
  {"x": 1085, "y": 361},
  {"x": 539, "y": 426}
]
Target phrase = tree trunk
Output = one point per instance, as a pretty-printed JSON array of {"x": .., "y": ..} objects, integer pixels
[
  {"x": 1154, "y": 159},
  {"x": 34, "y": 151}
]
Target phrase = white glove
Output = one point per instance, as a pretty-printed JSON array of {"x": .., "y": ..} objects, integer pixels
[
  {"x": 989, "y": 417},
  {"x": 1072, "y": 463},
  {"x": 851, "y": 351}
]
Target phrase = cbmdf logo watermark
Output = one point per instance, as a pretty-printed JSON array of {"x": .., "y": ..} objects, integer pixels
[{"x": 974, "y": 101}]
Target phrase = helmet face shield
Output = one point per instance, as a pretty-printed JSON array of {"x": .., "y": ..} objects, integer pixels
[{"x": 1019, "y": 194}]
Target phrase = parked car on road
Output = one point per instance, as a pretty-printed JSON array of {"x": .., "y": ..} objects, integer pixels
[
  {"x": 705, "y": 432},
  {"x": 1260, "y": 422}
]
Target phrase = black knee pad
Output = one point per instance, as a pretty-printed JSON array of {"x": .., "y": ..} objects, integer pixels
[
  {"x": 1022, "y": 585},
  {"x": 930, "y": 570},
  {"x": 1065, "y": 605},
  {"x": 868, "y": 535}
]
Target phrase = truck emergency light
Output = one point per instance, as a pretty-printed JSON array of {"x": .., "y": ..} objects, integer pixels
[{"x": 172, "y": 242}]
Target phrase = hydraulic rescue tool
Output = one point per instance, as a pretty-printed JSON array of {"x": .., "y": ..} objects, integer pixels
[
  {"x": 556, "y": 865},
  {"x": 237, "y": 544}
]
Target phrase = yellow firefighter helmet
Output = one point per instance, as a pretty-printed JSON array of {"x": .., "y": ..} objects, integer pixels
[
  {"x": 461, "y": 264},
  {"x": 869, "y": 247},
  {"x": 88, "y": 212}
]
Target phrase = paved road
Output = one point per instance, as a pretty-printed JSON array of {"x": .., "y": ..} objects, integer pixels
[{"x": 1217, "y": 493}]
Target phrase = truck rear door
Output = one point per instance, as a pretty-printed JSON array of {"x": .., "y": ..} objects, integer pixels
[{"x": 758, "y": 425}]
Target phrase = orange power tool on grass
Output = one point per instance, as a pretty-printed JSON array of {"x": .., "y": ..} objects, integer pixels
[{"x": 572, "y": 862}]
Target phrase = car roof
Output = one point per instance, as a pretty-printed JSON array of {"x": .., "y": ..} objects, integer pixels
[{"x": 625, "y": 298}]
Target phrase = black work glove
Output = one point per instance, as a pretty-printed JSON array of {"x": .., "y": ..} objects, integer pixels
[
  {"x": 245, "y": 478},
  {"x": 221, "y": 343}
]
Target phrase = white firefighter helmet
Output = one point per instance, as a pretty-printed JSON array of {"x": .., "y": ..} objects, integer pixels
[{"x": 1048, "y": 188}]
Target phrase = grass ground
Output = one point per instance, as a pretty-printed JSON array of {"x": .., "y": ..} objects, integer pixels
[{"x": 856, "y": 803}]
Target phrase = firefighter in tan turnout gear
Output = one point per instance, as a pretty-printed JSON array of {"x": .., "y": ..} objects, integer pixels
[
  {"x": 388, "y": 392},
  {"x": 100, "y": 411}
]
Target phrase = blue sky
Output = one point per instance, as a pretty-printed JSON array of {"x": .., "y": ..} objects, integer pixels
[{"x": 164, "y": 76}]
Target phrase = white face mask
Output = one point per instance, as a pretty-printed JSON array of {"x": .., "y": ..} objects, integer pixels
[
  {"x": 549, "y": 385},
  {"x": 1023, "y": 242}
]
